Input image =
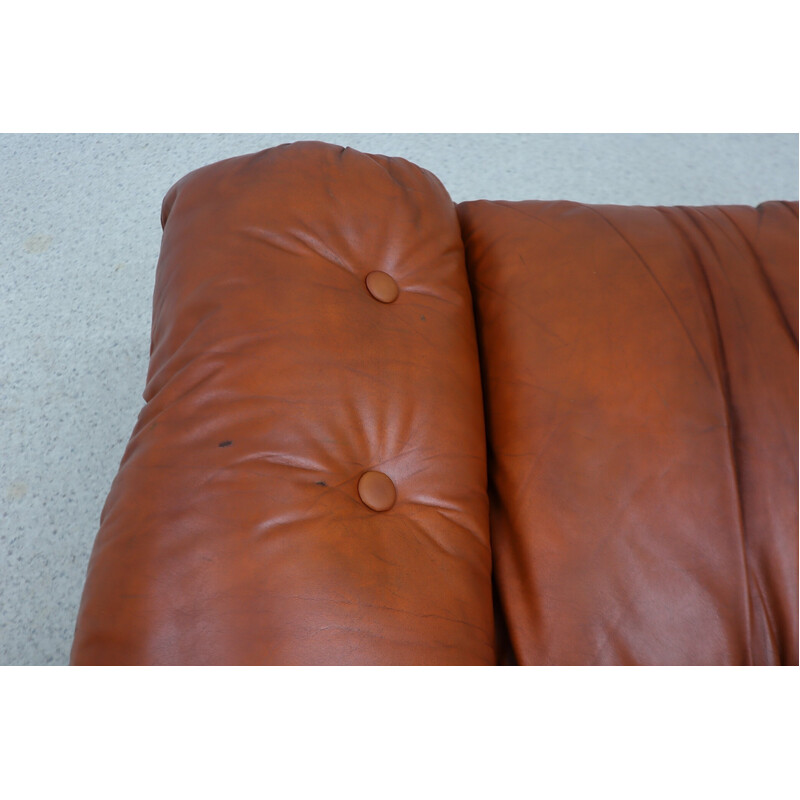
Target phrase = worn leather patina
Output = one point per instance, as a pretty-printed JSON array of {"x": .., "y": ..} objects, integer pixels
[{"x": 380, "y": 428}]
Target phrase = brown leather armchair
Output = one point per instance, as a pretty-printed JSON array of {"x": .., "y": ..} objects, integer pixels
[{"x": 381, "y": 428}]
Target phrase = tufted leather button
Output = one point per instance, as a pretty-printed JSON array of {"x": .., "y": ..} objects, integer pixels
[
  {"x": 382, "y": 287},
  {"x": 376, "y": 491}
]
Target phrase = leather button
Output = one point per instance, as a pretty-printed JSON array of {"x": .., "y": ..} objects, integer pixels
[
  {"x": 382, "y": 287},
  {"x": 376, "y": 491}
]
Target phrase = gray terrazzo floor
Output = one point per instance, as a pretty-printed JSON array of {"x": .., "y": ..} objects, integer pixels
[{"x": 79, "y": 239}]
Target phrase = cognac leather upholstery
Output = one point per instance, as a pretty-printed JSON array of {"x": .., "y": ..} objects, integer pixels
[
  {"x": 640, "y": 372},
  {"x": 309, "y": 482},
  {"x": 235, "y": 532}
]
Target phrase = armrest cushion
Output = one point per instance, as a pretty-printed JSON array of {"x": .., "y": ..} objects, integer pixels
[{"x": 235, "y": 531}]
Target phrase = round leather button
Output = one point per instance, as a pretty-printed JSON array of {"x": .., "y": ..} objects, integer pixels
[
  {"x": 382, "y": 287},
  {"x": 376, "y": 491}
]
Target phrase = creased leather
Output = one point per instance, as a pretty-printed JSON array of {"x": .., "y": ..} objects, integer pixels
[
  {"x": 639, "y": 371},
  {"x": 234, "y": 532},
  {"x": 640, "y": 383}
]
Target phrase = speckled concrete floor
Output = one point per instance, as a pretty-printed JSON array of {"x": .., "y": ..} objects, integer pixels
[{"x": 79, "y": 239}]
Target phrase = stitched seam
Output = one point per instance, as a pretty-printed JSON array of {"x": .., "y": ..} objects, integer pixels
[
  {"x": 773, "y": 295},
  {"x": 727, "y": 398}
]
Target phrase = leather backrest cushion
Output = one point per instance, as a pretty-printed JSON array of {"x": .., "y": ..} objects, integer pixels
[
  {"x": 640, "y": 380},
  {"x": 237, "y": 530}
]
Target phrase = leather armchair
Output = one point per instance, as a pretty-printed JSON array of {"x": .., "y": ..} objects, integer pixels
[{"x": 380, "y": 428}]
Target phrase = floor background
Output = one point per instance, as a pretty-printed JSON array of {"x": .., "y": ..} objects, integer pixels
[{"x": 79, "y": 239}]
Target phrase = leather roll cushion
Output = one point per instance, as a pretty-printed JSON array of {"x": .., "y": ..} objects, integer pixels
[
  {"x": 640, "y": 381},
  {"x": 234, "y": 532}
]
